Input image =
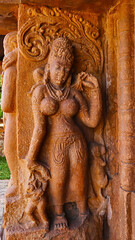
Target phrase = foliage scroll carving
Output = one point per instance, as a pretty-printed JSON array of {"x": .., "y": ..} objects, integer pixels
[{"x": 45, "y": 24}]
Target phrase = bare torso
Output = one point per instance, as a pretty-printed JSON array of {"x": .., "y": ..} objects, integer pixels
[{"x": 61, "y": 113}]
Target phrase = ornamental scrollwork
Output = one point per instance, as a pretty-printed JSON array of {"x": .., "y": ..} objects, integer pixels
[
  {"x": 32, "y": 43},
  {"x": 45, "y": 24}
]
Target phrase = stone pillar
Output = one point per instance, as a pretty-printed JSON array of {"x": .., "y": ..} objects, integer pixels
[
  {"x": 126, "y": 112},
  {"x": 111, "y": 129},
  {"x": 42, "y": 209}
]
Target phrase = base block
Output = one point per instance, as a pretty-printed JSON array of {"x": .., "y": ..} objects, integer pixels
[{"x": 90, "y": 229}]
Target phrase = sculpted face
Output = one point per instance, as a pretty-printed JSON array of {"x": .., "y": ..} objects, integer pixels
[{"x": 59, "y": 72}]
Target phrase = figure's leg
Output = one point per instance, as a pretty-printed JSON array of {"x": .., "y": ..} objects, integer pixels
[
  {"x": 10, "y": 153},
  {"x": 29, "y": 211},
  {"x": 8, "y": 106},
  {"x": 58, "y": 182},
  {"x": 57, "y": 193},
  {"x": 41, "y": 211},
  {"x": 79, "y": 168}
]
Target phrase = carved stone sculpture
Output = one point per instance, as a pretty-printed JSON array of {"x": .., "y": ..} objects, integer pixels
[
  {"x": 37, "y": 185},
  {"x": 55, "y": 104},
  {"x": 98, "y": 178},
  {"x": 60, "y": 157},
  {"x": 56, "y": 79},
  {"x": 8, "y": 104}
]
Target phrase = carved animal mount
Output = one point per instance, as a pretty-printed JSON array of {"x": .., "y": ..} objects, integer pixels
[{"x": 36, "y": 194}]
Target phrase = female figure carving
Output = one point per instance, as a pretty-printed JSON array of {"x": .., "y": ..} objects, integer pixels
[
  {"x": 8, "y": 105},
  {"x": 57, "y": 100}
]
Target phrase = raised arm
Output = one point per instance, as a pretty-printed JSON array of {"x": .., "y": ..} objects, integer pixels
[
  {"x": 90, "y": 107},
  {"x": 39, "y": 126}
]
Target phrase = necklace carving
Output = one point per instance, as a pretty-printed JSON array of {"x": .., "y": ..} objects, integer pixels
[{"x": 57, "y": 94}]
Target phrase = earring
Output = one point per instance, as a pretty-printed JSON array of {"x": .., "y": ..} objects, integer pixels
[{"x": 69, "y": 81}]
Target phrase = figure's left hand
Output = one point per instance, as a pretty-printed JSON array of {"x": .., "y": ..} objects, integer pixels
[{"x": 89, "y": 81}]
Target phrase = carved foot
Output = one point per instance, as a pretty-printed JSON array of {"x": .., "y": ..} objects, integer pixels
[
  {"x": 60, "y": 222},
  {"x": 12, "y": 191}
]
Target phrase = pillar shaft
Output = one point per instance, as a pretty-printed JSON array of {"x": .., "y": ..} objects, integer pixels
[
  {"x": 126, "y": 97},
  {"x": 126, "y": 113}
]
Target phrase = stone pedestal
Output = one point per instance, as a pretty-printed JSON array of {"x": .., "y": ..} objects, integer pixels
[{"x": 91, "y": 229}]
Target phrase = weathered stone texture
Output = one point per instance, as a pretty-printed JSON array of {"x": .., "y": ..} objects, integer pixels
[{"x": 107, "y": 29}]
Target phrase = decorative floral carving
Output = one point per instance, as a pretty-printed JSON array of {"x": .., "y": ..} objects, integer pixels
[
  {"x": 32, "y": 43},
  {"x": 46, "y": 24}
]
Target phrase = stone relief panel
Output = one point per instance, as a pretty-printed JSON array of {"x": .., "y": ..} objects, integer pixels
[
  {"x": 63, "y": 168},
  {"x": 55, "y": 98}
]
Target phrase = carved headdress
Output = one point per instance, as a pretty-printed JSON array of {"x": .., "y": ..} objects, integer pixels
[{"x": 61, "y": 48}]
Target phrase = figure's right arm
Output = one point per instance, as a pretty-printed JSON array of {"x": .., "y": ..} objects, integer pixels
[
  {"x": 39, "y": 126},
  {"x": 9, "y": 90},
  {"x": 9, "y": 82}
]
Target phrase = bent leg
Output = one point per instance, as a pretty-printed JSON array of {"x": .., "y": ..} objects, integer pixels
[
  {"x": 30, "y": 212},
  {"x": 41, "y": 211},
  {"x": 58, "y": 182}
]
